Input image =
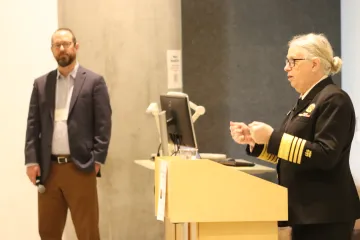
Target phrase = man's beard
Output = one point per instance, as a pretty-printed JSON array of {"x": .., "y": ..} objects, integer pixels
[{"x": 65, "y": 60}]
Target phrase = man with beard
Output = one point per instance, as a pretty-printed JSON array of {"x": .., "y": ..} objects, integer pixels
[{"x": 67, "y": 139}]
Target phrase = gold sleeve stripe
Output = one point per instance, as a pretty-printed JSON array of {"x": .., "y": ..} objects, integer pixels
[
  {"x": 274, "y": 158},
  {"x": 291, "y": 156},
  {"x": 301, "y": 151},
  {"x": 285, "y": 146},
  {"x": 264, "y": 154},
  {"x": 291, "y": 148},
  {"x": 267, "y": 156},
  {"x": 296, "y": 153},
  {"x": 271, "y": 158}
]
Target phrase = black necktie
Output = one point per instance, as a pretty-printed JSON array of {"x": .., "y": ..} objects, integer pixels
[
  {"x": 291, "y": 113},
  {"x": 297, "y": 104}
]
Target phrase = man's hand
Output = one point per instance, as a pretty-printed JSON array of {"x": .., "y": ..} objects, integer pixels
[
  {"x": 32, "y": 172},
  {"x": 240, "y": 133},
  {"x": 260, "y": 132},
  {"x": 97, "y": 167}
]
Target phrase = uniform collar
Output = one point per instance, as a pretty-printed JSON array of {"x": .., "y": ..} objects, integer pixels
[
  {"x": 318, "y": 87},
  {"x": 307, "y": 92}
]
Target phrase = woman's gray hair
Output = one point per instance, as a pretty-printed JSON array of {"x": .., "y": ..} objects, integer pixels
[{"x": 318, "y": 46}]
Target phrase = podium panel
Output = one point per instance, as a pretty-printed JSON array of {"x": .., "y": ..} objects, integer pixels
[
  {"x": 222, "y": 231},
  {"x": 238, "y": 230},
  {"x": 205, "y": 200}
]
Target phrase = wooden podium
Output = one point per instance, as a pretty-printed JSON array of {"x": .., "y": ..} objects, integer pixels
[{"x": 205, "y": 200}]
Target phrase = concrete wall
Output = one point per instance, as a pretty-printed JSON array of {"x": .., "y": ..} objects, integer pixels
[
  {"x": 126, "y": 41},
  {"x": 25, "y": 55}
]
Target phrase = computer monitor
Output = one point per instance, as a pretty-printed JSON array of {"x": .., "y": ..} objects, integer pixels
[{"x": 180, "y": 127}]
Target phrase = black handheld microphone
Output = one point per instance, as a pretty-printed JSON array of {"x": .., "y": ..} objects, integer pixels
[{"x": 41, "y": 188}]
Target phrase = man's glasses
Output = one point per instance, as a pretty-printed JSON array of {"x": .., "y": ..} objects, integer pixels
[{"x": 58, "y": 45}]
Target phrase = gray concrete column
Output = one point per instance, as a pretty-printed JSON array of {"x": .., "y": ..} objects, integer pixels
[{"x": 126, "y": 42}]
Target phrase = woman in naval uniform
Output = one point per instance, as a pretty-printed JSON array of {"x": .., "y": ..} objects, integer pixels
[{"x": 312, "y": 146}]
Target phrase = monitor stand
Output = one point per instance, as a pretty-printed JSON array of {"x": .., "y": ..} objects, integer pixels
[{"x": 163, "y": 134}]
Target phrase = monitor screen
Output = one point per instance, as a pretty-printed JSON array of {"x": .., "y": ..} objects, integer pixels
[{"x": 178, "y": 117}]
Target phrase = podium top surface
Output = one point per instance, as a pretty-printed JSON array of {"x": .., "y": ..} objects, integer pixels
[{"x": 257, "y": 169}]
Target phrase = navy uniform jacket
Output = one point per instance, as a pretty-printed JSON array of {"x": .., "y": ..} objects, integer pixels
[{"x": 312, "y": 151}]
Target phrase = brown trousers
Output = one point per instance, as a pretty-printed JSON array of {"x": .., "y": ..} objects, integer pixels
[{"x": 69, "y": 188}]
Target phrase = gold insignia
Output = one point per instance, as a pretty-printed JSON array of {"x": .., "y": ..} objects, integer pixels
[
  {"x": 310, "y": 108},
  {"x": 305, "y": 114},
  {"x": 308, "y": 153}
]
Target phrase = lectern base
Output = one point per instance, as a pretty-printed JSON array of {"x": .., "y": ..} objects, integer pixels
[{"x": 221, "y": 231}]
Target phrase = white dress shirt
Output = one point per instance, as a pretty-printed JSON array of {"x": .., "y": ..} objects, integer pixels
[{"x": 64, "y": 89}]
